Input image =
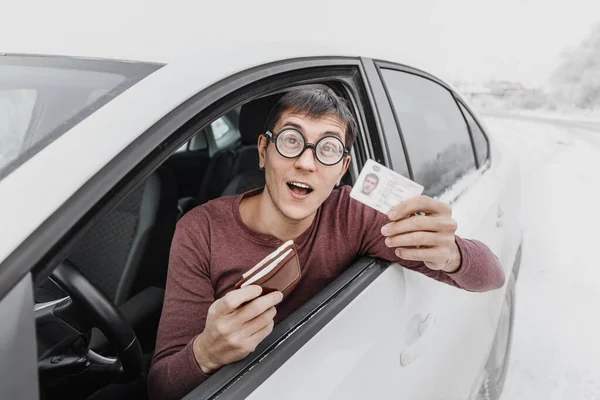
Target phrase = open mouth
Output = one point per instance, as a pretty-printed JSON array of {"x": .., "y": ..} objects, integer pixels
[{"x": 299, "y": 189}]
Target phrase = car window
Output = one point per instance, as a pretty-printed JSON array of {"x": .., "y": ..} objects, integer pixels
[
  {"x": 479, "y": 139},
  {"x": 182, "y": 148},
  {"x": 225, "y": 132},
  {"x": 43, "y": 97},
  {"x": 219, "y": 128},
  {"x": 434, "y": 130}
]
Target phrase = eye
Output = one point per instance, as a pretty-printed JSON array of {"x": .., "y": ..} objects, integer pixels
[{"x": 328, "y": 149}]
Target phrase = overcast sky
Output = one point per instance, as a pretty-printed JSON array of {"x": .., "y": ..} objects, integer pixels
[{"x": 471, "y": 40}]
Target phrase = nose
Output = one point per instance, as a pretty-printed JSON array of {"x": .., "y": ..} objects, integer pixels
[{"x": 307, "y": 160}]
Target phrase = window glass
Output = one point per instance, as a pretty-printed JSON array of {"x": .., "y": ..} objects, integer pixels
[
  {"x": 434, "y": 130},
  {"x": 43, "y": 97},
  {"x": 481, "y": 143},
  {"x": 219, "y": 128},
  {"x": 225, "y": 130},
  {"x": 182, "y": 148}
]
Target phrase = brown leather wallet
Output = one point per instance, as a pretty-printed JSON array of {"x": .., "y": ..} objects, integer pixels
[{"x": 279, "y": 271}]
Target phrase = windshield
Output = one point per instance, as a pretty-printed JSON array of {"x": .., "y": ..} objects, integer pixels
[{"x": 43, "y": 97}]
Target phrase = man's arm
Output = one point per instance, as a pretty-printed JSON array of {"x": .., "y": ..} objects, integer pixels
[
  {"x": 441, "y": 254},
  {"x": 197, "y": 334},
  {"x": 479, "y": 270},
  {"x": 429, "y": 238}
]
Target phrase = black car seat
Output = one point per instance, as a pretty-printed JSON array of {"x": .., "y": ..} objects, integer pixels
[
  {"x": 238, "y": 167},
  {"x": 128, "y": 249},
  {"x": 126, "y": 253}
]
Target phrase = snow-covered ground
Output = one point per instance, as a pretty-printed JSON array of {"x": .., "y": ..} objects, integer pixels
[
  {"x": 579, "y": 116},
  {"x": 556, "y": 343}
]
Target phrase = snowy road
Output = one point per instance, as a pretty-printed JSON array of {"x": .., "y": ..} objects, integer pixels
[{"x": 556, "y": 343}]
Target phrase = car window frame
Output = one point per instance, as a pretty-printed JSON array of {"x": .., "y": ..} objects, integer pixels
[
  {"x": 392, "y": 143},
  {"x": 55, "y": 238},
  {"x": 448, "y": 194},
  {"x": 487, "y": 162}
]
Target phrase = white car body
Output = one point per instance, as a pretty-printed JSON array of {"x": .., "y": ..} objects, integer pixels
[{"x": 405, "y": 335}]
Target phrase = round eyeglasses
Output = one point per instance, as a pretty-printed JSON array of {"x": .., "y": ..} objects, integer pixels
[{"x": 290, "y": 143}]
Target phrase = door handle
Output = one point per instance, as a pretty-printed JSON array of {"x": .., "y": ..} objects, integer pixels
[{"x": 418, "y": 327}]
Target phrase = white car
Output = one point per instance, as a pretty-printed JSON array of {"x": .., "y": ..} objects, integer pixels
[{"x": 99, "y": 158}]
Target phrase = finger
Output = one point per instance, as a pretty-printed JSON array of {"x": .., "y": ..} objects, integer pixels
[
  {"x": 419, "y": 223},
  {"x": 261, "y": 334},
  {"x": 419, "y": 203},
  {"x": 431, "y": 254},
  {"x": 250, "y": 343},
  {"x": 258, "y": 306},
  {"x": 262, "y": 320},
  {"x": 415, "y": 239},
  {"x": 232, "y": 300}
]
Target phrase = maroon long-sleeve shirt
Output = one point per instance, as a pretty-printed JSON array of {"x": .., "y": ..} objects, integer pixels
[{"x": 212, "y": 248}]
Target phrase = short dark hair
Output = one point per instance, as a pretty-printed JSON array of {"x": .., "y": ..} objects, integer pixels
[
  {"x": 372, "y": 175},
  {"x": 315, "y": 103}
]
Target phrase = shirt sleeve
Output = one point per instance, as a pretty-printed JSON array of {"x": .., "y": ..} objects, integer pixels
[
  {"x": 480, "y": 269},
  {"x": 189, "y": 293}
]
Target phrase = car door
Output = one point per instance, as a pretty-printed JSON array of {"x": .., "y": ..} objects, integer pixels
[
  {"x": 352, "y": 332},
  {"x": 399, "y": 334},
  {"x": 458, "y": 327}
]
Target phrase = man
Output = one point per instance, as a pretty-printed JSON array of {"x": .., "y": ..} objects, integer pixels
[
  {"x": 304, "y": 152},
  {"x": 370, "y": 183}
]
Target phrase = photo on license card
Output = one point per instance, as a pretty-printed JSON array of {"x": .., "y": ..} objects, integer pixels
[{"x": 381, "y": 188}]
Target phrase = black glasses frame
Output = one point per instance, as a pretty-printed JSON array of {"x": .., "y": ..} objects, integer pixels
[{"x": 273, "y": 138}]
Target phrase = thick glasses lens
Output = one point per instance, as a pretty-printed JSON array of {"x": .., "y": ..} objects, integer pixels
[
  {"x": 330, "y": 150},
  {"x": 290, "y": 143}
]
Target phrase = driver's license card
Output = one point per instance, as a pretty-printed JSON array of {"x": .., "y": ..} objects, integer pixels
[{"x": 381, "y": 188}]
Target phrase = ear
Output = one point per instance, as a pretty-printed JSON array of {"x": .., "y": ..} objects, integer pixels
[
  {"x": 262, "y": 150},
  {"x": 345, "y": 166}
]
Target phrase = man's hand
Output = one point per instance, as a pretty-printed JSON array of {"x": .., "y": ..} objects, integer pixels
[
  {"x": 235, "y": 325},
  {"x": 428, "y": 237}
]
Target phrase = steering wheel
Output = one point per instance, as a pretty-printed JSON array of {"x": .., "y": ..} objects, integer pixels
[{"x": 66, "y": 324}]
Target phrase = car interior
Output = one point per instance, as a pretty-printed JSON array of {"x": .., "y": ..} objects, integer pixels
[{"x": 85, "y": 348}]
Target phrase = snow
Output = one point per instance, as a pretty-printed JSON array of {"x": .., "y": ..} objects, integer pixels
[
  {"x": 556, "y": 346},
  {"x": 578, "y": 116}
]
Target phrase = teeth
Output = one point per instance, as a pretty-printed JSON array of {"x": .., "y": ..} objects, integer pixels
[{"x": 300, "y": 185}]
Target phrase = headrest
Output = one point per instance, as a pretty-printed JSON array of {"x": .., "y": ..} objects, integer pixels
[{"x": 253, "y": 117}]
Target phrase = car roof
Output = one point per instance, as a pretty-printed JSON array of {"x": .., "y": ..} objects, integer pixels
[{"x": 245, "y": 50}]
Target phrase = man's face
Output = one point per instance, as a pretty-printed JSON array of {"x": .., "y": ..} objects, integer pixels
[
  {"x": 369, "y": 184},
  {"x": 284, "y": 175}
]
